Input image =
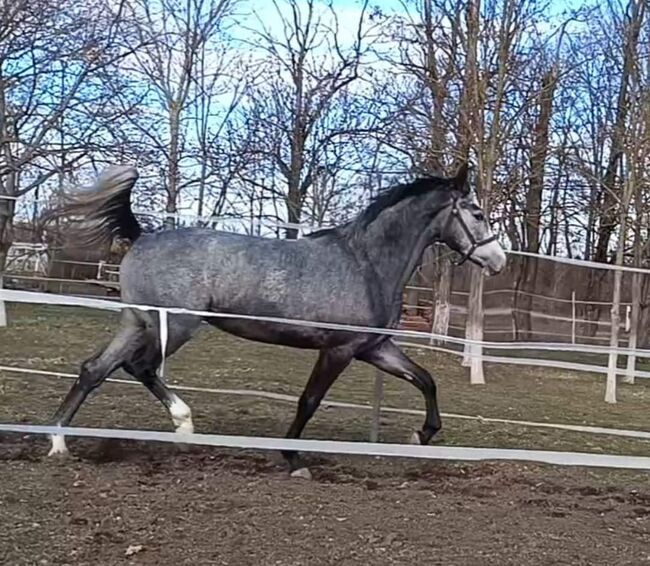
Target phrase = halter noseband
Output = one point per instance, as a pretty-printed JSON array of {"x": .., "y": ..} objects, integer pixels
[{"x": 455, "y": 214}]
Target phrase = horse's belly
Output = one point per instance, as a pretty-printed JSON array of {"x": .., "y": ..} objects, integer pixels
[{"x": 286, "y": 334}]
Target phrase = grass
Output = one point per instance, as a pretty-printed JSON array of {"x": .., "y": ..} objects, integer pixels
[{"x": 59, "y": 339}]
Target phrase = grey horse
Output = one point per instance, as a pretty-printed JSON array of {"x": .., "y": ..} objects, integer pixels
[{"x": 351, "y": 274}]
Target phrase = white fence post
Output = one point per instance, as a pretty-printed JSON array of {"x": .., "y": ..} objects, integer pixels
[
  {"x": 573, "y": 317},
  {"x": 376, "y": 406},
  {"x": 3, "y": 309},
  {"x": 164, "y": 332},
  {"x": 474, "y": 330},
  {"x": 633, "y": 328}
]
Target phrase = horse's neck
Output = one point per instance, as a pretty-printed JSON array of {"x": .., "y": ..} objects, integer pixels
[{"x": 394, "y": 245}]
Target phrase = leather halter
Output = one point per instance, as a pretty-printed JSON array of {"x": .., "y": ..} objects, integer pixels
[{"x": 455, "y": 214}]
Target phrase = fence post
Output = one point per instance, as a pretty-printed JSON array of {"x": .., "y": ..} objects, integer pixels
[
  {"x": 573, "y": 317},
  {"x": 164, "y": 333},
  {"x": 376, "y": 406},
  {"x": 474, "y": 330},
  {"x": 3, "y": 309},
  {"x": 634, "y": 328}
]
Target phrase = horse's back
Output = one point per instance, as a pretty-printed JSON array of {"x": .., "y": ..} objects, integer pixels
[{"x": 203, "y": 269}]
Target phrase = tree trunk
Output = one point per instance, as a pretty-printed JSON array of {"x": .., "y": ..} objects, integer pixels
[
  {"x": 466, "y": 132},
  {"x": 173, "y": 173},
  {"x": 294, "y": 209},
  {"x": 533, "y": 212},
  {"x": 610, "y": 391},
  {"x": 438, "y": 92},
  {"x": 523, "y": 300},
  {"x": 7, "y": 208},
  {"x": 441, "y": 295},
  {"x": 609, "y": 192}
]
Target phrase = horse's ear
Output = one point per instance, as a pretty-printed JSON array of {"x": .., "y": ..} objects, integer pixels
[{"x": 461, "y": 179}]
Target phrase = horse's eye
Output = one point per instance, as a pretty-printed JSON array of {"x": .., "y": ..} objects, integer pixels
[{"x": 479, "y": 216}]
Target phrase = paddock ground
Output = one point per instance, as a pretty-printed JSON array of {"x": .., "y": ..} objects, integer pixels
[{"x": 212, "y": 506}]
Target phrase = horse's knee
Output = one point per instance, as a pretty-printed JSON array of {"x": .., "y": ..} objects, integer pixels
[{"x": 91, "y": 374}]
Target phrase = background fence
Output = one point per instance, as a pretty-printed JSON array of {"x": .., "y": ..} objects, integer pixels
[{"x": 538, "y": 302}]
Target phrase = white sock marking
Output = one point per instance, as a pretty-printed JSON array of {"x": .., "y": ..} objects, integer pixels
[
  {"x": 58, "y": 445},
  {"x": 181, "y": 416}
]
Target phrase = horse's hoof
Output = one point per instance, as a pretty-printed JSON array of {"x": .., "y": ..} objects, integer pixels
[
  {"x": 185, "y": 427},
  {"x": 58, "y": 446},
  {"x": 415, "y": 438},
  {"x": 302, "y": 473}
]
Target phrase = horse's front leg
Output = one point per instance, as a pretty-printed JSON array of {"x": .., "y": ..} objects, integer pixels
[{"x": 389, "y": 358}]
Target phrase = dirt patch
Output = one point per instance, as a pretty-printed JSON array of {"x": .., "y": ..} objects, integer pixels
[{"x": 134, "y": 503}]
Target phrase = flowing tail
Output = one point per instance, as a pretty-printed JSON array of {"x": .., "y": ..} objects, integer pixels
[{"x": 103, "y": 212}]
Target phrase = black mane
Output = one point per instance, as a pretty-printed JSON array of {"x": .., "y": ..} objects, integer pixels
[
  {"x": 394, "y": 195},
  {"x": 387, "y": 199}
]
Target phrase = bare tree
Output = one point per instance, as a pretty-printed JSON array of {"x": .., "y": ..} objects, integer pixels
[
  {"x": 51, "y": 103},
  {"x": 180, "y": 74},
  {"x": 301, "y": 108}
]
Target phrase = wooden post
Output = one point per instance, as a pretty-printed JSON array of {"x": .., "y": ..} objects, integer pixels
[
  {"x": 376, "y": 406},
  {"x": 573, "y": 317}
]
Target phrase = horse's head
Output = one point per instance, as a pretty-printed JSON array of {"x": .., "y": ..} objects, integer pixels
[{"x": 465, "y": 228}]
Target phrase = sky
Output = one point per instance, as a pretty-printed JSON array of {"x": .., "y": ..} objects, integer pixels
[{"x": 348, "y": 12}]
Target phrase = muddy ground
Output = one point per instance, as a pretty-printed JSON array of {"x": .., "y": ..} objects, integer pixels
[{"x": 136, "y": 503}]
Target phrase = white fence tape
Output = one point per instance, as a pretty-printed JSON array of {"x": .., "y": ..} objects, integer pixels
[
  {"x": 556, "y": 364},
  {"x": 582, "y": 262},
  {"x": 511, "y": 291},
  {"x": 11, "y": 295},
  {"x": 456, "y": 453},
  {"x": 455, "y": 308},
  {"x": 638, "y": 434}
]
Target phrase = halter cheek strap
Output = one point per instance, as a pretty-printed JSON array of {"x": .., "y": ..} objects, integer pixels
[{"x": 455, "y": 214}]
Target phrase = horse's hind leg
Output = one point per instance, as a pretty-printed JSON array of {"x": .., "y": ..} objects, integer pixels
[
  {"x": 180, "y": 413},
  {"x": 143, "y": 365},
  {"x": 93, "y": 372}
]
